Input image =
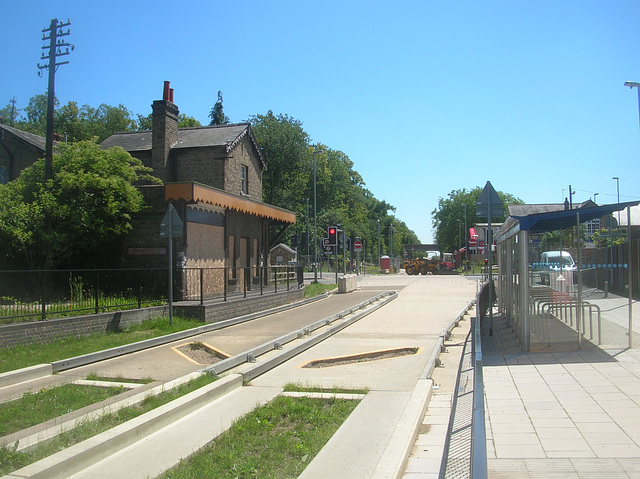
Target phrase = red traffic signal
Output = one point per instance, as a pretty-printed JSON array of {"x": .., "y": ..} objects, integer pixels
[{"x": 332, "y": 236}]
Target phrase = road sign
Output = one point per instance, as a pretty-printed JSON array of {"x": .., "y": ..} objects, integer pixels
[
  {"x": 489, "y": 199},
  {"x": 171, "y": 223},
  {"x": 357, "y": 245}
]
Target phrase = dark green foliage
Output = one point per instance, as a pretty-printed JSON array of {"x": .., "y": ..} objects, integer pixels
[
  {"x": 217, "y": 113},
  {"x": 80, "y": 213},
  {"x": 449, "y": 232},
  {"x": 341, "y": 196}
]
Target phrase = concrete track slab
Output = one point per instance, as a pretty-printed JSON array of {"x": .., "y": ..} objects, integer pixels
[{"x": 377, "y": 430}]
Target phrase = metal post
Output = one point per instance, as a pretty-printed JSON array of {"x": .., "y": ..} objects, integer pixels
[
  {"x": 315, "y": 224},
  {"x": 170, "y": 268},
  {"x": 308, "y": 248},
  {"x": 630, "y": 268},
  {"x": 523, "y": 291},
  {"x": 466, "y": 243},
  {"x": 315, "y": 220},
  {"x": 378, "y": 243},
  {"x": 579, "y": 266},
  {"x": 335, "y": 258},
  {"x": 201, "y": 286},
  {"x": 97, "y": 294},
  {"x": 490, "y": 246}
]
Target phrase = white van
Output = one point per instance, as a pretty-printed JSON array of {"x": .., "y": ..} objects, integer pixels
[{"x": 557, "y": 262}]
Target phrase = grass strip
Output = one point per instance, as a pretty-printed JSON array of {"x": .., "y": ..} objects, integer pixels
[
  {"x": 276, "y": 441},
  {"x": 10, "y": 460},
  {"x": 309, "y": 388},
  {"x": 315, "y": 289},
  {"x": 38, "y": 407},
  {"x": 22, "y": 356}
]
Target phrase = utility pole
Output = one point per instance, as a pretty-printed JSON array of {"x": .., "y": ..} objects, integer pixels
[
  {"x": 13, "y": 111},
  {"x": 57, "y": 47}
]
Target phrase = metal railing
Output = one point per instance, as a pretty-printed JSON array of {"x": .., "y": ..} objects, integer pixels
[
  {"x": 206, "y": 284},
  {"x": 44, "y": 294},
  {"x": 547, "y": 304},
  {"x": 34, "y": 295},
  {"x": 465, "y": 449}
]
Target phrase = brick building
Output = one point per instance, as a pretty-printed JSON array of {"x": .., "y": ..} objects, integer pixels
[
  {"x": 213, "y": 177},
  {"x": 18, "y": 149}
]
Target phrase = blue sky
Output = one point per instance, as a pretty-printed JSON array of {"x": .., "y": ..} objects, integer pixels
[{"x": 425, "y": 97}]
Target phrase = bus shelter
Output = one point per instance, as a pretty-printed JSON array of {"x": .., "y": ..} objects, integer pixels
[{"x": 567, "y": 279}]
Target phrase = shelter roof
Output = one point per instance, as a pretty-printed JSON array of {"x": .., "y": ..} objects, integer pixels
[{"x": 556, "y": 220}]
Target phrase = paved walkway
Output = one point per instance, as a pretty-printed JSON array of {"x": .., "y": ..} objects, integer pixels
[
  {"x": 561, "y": 414},
  {"x": 572, "y": 414}
]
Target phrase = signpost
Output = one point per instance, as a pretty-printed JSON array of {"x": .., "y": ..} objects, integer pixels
[
  {"x": 171, "y": 227},
  {"x": 489, "y": 204},
  {"x": 357, "y": 246}
]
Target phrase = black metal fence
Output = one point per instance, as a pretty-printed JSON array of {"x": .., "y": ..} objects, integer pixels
[
  {"x": 45, "y": 294},
  {"x": 203, "y": 284},
  {"x": 42, "y": 294}
]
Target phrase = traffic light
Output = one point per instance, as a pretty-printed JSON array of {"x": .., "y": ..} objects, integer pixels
[{"x": 332, "y": 235}]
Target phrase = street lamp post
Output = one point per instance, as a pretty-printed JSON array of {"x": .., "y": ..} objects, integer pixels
[
  {"x": 618, "y": 191},
  {"x": 378, "y": 242},
  {"x": 315, "y": 220},
  {"x": 466, "y": 243},
  {"x": 632, "y": 85},
  {"x": 391, "y": 242}
]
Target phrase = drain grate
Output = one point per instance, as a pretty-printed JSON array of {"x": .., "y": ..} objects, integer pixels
[{"x": 361, "y": 358}]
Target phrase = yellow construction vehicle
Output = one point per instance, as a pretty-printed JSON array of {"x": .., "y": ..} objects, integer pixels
[{"x": 423, "y": 265}]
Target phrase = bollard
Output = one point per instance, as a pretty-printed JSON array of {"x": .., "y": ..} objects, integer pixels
[{"x": 606, "y": 289}]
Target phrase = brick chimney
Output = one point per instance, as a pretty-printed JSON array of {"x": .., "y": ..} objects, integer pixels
[{"x": 164, "y": 133}]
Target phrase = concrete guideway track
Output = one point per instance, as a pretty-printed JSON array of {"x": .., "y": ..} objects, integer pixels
[{"x": 425, "y": 306}]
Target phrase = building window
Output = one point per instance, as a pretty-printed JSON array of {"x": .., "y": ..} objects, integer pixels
[
  {"x": 244, "y": 178},
  {"x": 592, "y": 226}
]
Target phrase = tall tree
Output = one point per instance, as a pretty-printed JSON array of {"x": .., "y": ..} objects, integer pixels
[
  {"x": 448, "y": 233},
  {"x": 217, "y": 113},
  {"x": 90, "y": 200},
  {"x": 145, "y": 122},
  {"x": 36, "y": 112},
  {"x": 284, "y": 145}
]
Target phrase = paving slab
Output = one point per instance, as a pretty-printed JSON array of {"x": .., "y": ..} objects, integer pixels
[{"x": 580, "y": 412}]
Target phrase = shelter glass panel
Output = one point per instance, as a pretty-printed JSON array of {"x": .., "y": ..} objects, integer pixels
[{"x": 579, "y": 294}]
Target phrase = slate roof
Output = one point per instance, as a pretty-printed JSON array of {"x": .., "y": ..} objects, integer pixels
[
  {"x": 523, "y": 210},
  {"x": 207, "y": 136},
  {"x": 35, "y": 140}
]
